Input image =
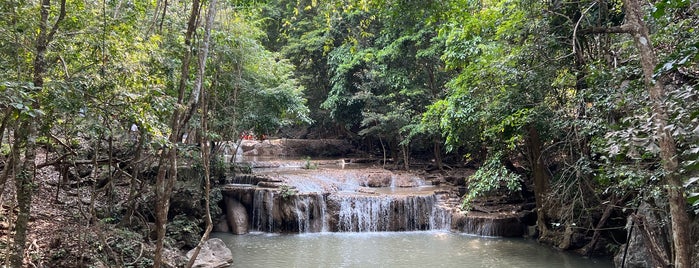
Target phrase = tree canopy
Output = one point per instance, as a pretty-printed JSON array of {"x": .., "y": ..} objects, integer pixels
[{"x": 594, "y": 103}]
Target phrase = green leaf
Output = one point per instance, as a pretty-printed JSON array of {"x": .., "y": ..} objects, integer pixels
[
  {"x": 693, "y": 198},
  {"x": 691, "y": 181},
  {"x": 660, "y": 7},
  {"x": 659, "y": 10},
  {"x": 18, "y": 106}
]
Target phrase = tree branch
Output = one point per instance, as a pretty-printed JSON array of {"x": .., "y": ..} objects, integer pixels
[
  {"x": 61, "y": 16},
  {"x": 613, "y": 29}
]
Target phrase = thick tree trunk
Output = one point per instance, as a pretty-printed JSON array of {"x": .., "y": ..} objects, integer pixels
[
  {"x": 668, "y": 150},
  {"x": 540, "y": 175},
  {"x": 24, "y": 181}
]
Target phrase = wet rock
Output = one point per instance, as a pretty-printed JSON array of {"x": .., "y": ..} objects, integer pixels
[
  {"x": 378, "y": 179},
  {"x": 252, "y": 152},
  {"x": 247, "y": 145},
  {"x": 528, "y": 217},
  {"x": 365, "y": 190},
  {"x": 221, "y": 225},
  {"x": 490, "y": 224},
  {"x": 265, "y": 184},
  {"x": 236, "y": 216},
  {"x": 455, "y": 180},
  {"x": 214, "y": 254},
  {"x": 637, "y": 254},
  {"x": 567, "y": 238}
]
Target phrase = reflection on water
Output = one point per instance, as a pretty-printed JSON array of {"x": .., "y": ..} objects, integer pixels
[{"x": 395, "y": 249}]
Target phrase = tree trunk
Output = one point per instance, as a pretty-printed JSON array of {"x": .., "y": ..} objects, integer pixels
[
  {"x": 9, "y": 166},
  {"x": 383, "y": 149},
  {"x": 167, "y": 170},
  {"x": 406, "y": 156},
  {"x": 136, "y": 167},
  {"x": 205, "y": 146},
  {"x": 540, "y": 175},
  {"x": 668, "y": 150},
  {"x": 206, "y": 161},
  {"x": 438, "y": 154},
  {"x": 24, "y": 179},
  {"x": 5, "y": 119},
  {"x": 587, "y": 249}
]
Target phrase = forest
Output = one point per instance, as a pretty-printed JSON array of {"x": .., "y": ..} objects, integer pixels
[{"x": 591, "y": 105}]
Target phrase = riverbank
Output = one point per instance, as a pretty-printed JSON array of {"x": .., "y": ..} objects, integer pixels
[{"x": 82, "y": 218}]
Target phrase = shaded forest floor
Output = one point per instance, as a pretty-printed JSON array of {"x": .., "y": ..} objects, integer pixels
[{"x": 78, "y": 225}]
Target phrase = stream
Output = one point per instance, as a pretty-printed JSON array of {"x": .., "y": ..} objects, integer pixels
[
  {"x": 395, "y": 249},
  {"x": 337, "y": 214}
]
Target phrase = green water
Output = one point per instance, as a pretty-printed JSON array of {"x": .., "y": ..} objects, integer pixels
[{"x": 395, "y": 249}]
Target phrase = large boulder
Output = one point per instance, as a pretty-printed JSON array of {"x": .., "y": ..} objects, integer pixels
[
  {"x": 378, "y": 178},
  {"x": 637, "y": 253},
  {"x": 237, "y": 216},
  {"x": 214, "y": 254}
]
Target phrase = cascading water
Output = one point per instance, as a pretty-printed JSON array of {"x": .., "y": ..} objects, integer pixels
[
  {"x": 263, "y": 206},
  {"x": 344, "y": 201},
  {"x": 361, "y": 213},
  {"x": 323, "y": 213},
  {"x": 303, "y": 214},
  {"x": 310, "y": 211}
]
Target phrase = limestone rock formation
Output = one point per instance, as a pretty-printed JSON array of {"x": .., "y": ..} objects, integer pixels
[
  {"x": 638, "y": 253},
  {"x": 237, "y": 216},
  {"x": 213, "y": 254}
]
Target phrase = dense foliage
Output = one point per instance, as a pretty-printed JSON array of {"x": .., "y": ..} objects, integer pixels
[
  {"x": 594, "y": 103},
  {"x": 551, "y": 94}
]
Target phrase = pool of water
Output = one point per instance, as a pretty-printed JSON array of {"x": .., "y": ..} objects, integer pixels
[{"x": 395, "y": 249}]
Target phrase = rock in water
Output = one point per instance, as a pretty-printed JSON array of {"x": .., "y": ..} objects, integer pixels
[
  {"x": 237, "y": 216},
  {"x": 214, "y": 253}
]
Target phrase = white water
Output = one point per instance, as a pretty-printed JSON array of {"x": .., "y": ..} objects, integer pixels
[
  {"x": 263, "y": 204},
  {"x": 357, "y": 207},
  {"x": 305, "y": 208},
  {"x": 362, "y": 213}
]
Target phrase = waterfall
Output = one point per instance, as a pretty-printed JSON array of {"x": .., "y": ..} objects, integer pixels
[
  {"x": 440, "y": 219},
  {"x": 492, "y": 225},
  {"x": 247, "y": 179},
  {"x": 310, "y": 212},
  {"x": 363, "y": 213},
  {"x": 345, "y": 201},
  {"x": 303, "y": 214},
  {"x": 262, "y": 210},
  {"x": 323, "y": 213}
]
